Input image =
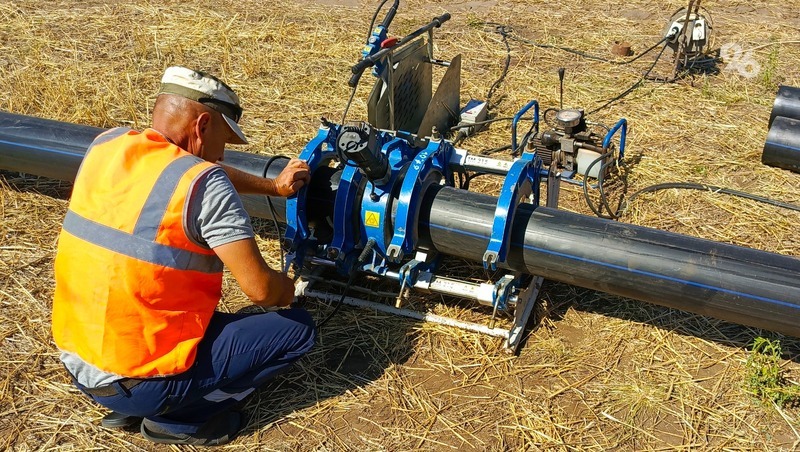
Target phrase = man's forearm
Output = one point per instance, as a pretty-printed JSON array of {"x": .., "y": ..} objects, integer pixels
[{"x": 247, "y": 183}]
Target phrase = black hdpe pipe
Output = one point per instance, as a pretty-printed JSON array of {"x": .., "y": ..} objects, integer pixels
[
  {"x": 787, "y": 104},
  {"x": 732, "y": 283},
  {"x": 782, "y": 147}
]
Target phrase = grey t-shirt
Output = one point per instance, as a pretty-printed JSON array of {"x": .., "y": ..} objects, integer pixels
[{"x": 215, "y": 216}]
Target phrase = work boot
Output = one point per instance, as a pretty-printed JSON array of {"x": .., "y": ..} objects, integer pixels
[
  {"x": 118, "y": 420},
  {"x": 216, "y": 432}
]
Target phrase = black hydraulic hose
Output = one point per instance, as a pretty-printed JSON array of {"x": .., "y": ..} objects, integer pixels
[{"x": 732, "y": 283}]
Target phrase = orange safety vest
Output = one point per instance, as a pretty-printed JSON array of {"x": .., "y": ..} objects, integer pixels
[{"x": 134, "y": 294}]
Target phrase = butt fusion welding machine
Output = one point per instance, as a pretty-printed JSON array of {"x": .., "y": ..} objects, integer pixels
[{"x": 385, "y": 166}]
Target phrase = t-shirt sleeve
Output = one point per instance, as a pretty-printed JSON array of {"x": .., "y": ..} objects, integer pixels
[{"x": 215, "y": 214}]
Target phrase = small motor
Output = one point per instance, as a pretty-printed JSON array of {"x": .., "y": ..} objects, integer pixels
[
  {"x": 571, "y": 143},
  {"x": 358, "y": 142}
]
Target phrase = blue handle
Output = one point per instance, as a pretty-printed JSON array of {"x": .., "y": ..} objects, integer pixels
[
  {"x": 622, "y": 123},
  {"x": 517, "y": 117}
]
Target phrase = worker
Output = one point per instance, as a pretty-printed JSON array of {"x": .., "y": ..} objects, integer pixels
[{"x": 153, "y": 217}]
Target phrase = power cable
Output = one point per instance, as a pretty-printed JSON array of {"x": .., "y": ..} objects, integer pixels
[
  {"x": 500, "y": 29},
  {"x": 713, "y": 189},
  {"x": 632, "y": 87},
  {"x": 272, "y": 208},
  {"x": 479, "y": 123},
  {"x": 365, "y": 254},
  {"x": 374, "y": 18},
  {"x": 587, "y": 55}
]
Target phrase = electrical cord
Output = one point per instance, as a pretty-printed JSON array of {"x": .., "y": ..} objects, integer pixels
[
  {"x": 353, "y": 91},
  {"x": 339, "y": 303},
  {"x": 502, "y": 148},
  {"x": 632, "y": 87},
  {"x": 375, "y": 17},
  {"x": 508, "y": 32},
  {"x": 587, "y": 55},
  {"x": 272, "y": 208},
  {"x": 500, "y": 29},
  {"x": 347, "y": 106},
  {"x": 479, "y": 123},
  {"x": 711, "y": 188},
  {"x": 365, "y": 253},
  {"x": 612, "y": 214}
]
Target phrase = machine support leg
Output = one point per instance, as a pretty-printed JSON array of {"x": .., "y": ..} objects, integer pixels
[{"x": 525, "y": 303}]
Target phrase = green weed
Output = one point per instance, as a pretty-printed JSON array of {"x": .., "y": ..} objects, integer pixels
[
  {"x": 769, "y": 76},
  {"x": 765, "y": 377}
]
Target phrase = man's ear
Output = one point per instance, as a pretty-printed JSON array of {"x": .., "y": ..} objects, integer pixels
[
  {"x": 200, "y": 128},
  {"x": 202, "y": 124}
]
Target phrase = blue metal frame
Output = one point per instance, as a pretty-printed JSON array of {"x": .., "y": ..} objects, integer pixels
[
  {"x": 623, "y": 124},
  {"x": 503, "y": 289},
  {"x": 375, "y": 213},
  {"x": 518, "y": 116},
  {"x": 342, "y": 247},
  {"x": 435, "y": 157}
]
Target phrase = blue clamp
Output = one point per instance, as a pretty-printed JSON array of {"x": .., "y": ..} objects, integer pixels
[
  {"x": 321, "y": 149},
  {"x": 623, "y": 124},
  {"x": 522, "y": 179},
  {"x": 432, "y": 160},
  {"x": 373, "y": 46},
  {"x": 344, "y": 232}
]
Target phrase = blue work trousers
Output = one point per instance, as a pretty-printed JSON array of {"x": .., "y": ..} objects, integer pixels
[{"x": 238, "y": 353}]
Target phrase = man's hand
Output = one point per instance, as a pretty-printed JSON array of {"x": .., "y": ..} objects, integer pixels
[
  {"x": 286, "y": 290},
  {"x": 295, "y": 174}
]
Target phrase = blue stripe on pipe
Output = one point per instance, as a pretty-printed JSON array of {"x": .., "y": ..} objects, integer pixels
[
  {"x": 39, "y": 148},
  {"x": 138, "y": 248},
  {"x": 793, "y": 148},
  {"x": 639, "y": 272}
]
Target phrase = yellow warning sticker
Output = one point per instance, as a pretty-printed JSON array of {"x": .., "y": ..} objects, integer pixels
[{"x": 372, "y": 219}]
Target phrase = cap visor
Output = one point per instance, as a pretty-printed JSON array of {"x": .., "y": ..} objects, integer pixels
[{"x": 240, "y": 138}]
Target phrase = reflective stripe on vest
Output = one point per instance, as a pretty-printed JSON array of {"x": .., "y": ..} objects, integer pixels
[{"x": 138, "y": 247}]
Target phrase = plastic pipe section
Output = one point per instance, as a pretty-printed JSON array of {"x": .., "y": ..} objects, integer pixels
[
  {"x": 782, "y": 147},
  {"x": 787, "y": 104},
  {"x": 728, "y": 282}
]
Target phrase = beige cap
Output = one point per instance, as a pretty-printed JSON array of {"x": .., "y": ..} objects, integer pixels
[{"x": 209, "y": 91}]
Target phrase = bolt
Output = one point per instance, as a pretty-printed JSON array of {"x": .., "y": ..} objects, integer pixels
[{"x": 435, "y": 134}]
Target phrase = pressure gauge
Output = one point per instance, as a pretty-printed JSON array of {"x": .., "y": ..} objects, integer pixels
[{"x": 569, "y": 118}]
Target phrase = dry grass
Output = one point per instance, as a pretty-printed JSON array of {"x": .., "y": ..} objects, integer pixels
[{"x": 598, "y": 373}]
